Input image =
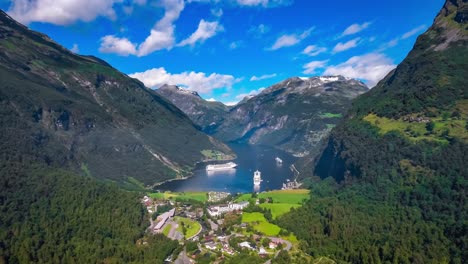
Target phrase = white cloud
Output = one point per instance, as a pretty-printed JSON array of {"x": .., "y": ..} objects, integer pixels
[
  {"x": 120, "y": 46},
  {"x": 264, "y": 3},
  {"x": 195, "y": 81},
  {"x": 346, "y": 46},
  {"x": 235, "y": 44},
  {"x": 162, "y": 34},
  {"x": 263, "y": 77},
  {"x": 211, "y": 100},
  {"x": 370, "y": 67},
  {"x": 204, "y": 31},
  {"x": 231, "y": 103},
  {"x": 414, "y": 31},
  {"x": 217, "y": 12},
  {"x": 313, "y": 50},
  {"x": 355, "y": 28},
  {"x": 75, "y": 48},
  {"x": 259, "y": 30},
  {"x": 61, "y": 12},
  {"x": 312, "y": 66},
  {"x": 288, "y": 40},
  {"x": 251, "y": 93}
]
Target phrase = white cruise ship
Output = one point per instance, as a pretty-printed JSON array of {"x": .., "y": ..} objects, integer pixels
[
  {"x": 278, "y": 160},
  {"x": 257, "y": 179},
  {"x": 225, "y": 166}
]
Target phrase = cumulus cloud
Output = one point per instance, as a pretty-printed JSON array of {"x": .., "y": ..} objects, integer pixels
[
  {"x": 75, "y": 48},
  {"x": 162, "y": 34},
  {"x": 288, "y": 40},
  {"x": 211, "y": 100},
  {"x": 217, "y": 12},
  {"x": 204, "y": 31},
  {"x": 413, "y": 32},
  {"x": 230, "y": 103},
  {"x": 355, "y": 28},
  {"x": 251, "y": 93},
  {"x": 370, "y": 67},
  {"x": 313, "y": 50},
  {"x": 195, "y": 81},
  {"x": 346, "y": 45},
  {"x": 61, "y": 12},
  {"x": 120, "y": 46},
  {"x": 311, "y": 67},
  {"x": 263, "y": 77}
]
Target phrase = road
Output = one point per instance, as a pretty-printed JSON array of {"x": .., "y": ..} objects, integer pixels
[{"x": 183, "y": 258}]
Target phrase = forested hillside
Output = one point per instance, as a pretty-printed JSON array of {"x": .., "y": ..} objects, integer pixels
[
  {"x": 395, "y": 171},
  {"x": 79, "y": 112},
  {"x": 53, "y": 216}
]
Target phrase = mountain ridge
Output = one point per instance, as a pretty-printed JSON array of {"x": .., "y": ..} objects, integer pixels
[{"x": 79, "y": 111}]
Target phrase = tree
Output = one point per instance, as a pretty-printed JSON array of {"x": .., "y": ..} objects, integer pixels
[{"x": 282, "y": 258}]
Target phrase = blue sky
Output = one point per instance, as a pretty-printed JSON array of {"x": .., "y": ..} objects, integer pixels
[{"x": 226, "y": 49}]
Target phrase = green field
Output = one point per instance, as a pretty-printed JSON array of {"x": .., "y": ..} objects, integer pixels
[
  {"x": 331, "y": 115},
  {"x": 278, "y": 209},
  {"x": 451, "y": 127},
  {"x": 192, "y": 226},
  {"x": 199, "y": 196},
  {"x": 260, "y": 224},
  {"x": 280, "y": 196},
  {"x": 166, "y": 229}
]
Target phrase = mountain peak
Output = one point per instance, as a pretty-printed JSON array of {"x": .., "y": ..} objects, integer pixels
[{"x": 177, "y": 89}]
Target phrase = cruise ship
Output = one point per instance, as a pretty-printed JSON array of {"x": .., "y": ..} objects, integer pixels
[
  {"x": 257, "y": 179},
  {"x": 225, "y": 166},
  {"x": 278, "y": 160}
]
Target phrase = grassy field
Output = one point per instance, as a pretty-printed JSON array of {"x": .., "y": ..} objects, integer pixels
[
  {"x": 278, "y": 209},
  {"x": 330, "y": 115},
  {"x": 199, "y": 196},
  {"x": 443, "y": 127},
  {"x": 166, "y": 230},
  {"x": 260, "y": 224},
  {"x": 280, "y": 196},
  {"x": 192, "y": 226}
]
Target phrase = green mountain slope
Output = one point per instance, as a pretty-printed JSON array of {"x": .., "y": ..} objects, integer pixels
[
  {"x": 294, "y": 115},
  {"x": 400, "y": 158},
  {"x": 53, "y": 216},
  {"x": 207, "y": 115},
  {"x": 78, "y": 111}
]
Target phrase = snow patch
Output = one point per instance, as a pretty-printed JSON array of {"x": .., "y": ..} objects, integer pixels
[{"x": 329, "y": 79}]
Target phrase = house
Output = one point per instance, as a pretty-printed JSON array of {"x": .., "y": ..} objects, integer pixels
[
  {"x": 246, "y": 244},
  {"x": 211, "y": 245},
  {"x": 262, "y": 251},
  {"x": 272, "y": 245}
]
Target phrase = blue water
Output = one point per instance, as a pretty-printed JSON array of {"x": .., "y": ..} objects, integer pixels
[{"x": 240, "y": 180}]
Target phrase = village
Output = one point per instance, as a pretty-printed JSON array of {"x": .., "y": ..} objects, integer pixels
[{"x": 215, "y": 226}]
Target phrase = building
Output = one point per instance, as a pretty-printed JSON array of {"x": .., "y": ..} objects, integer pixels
[
  {"x": 211, "y": 245},
  {"x": 272, "y": 245},
  {"x": 246, "y": 244},
  {"x": 218, "y": 210},
  {"x": 163, "y": 218}
]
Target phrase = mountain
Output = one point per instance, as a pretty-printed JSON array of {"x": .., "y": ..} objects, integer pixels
[
  {"x": 205, "y": 114},
  {"x": 77, "y": 111},
  {"x": 294, "y": 115},
  {"x": 394, "y": 174}
]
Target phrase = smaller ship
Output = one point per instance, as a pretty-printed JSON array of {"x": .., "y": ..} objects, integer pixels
[
  {"x": 224, "y": 166},
  {"x": 257, "y": 179},
  {"x": 278, "y": 160}
]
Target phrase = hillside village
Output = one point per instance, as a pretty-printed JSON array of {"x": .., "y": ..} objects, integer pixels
[{"x": 217, "y": 226}]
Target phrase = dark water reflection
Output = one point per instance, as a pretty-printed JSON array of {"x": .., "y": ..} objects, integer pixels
[{"x": 249, "y": 159}]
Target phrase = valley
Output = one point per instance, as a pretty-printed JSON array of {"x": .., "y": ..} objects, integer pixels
[{"x": 310, "y": 152}]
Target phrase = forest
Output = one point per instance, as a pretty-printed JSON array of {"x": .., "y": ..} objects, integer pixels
[{"x": 52, "y": 216}]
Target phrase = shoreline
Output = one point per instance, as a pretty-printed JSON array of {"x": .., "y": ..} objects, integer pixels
[{"x": 198, "y": 163}]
